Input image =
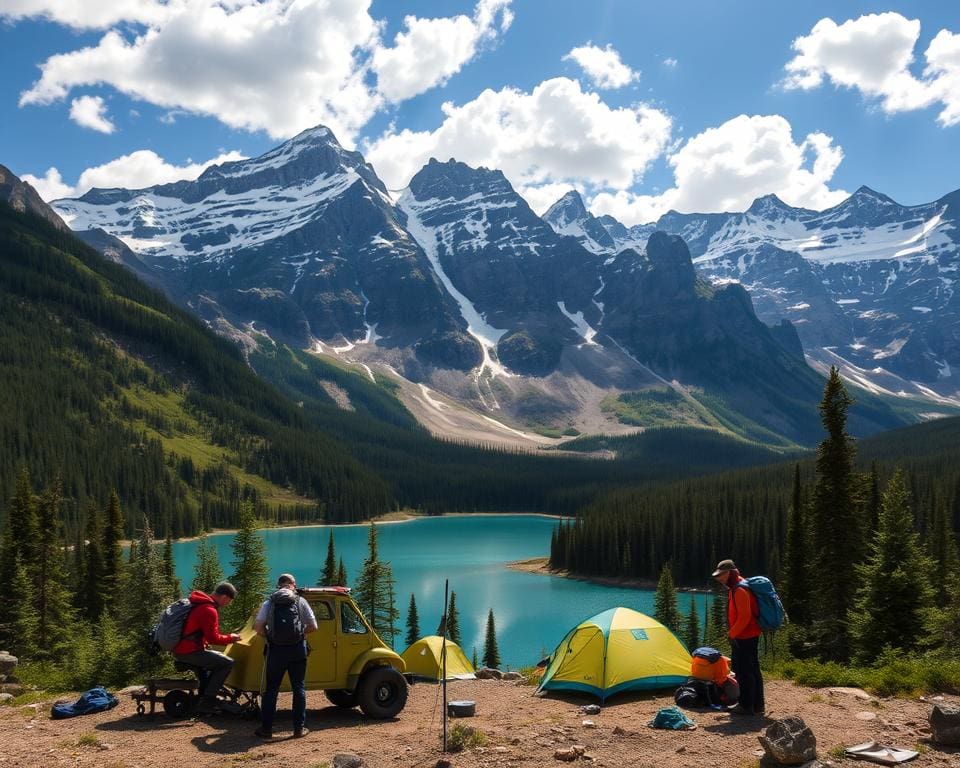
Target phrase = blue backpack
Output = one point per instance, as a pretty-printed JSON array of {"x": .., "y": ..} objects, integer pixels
[
  {"x": 95, "y": 700},
  {"x": 772, "y": 615}
]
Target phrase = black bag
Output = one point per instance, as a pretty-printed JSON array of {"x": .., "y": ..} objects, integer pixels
[
  {"x": 284, "y": 623},
  {"x": 698, "y": 693}
]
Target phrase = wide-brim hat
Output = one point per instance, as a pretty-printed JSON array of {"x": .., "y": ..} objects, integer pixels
[{"x": 724, "y": 566}]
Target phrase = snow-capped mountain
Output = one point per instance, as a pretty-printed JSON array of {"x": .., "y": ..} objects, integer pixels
[
  {"x": 460, "y": 287},
  {"x": 869, "y": 284}
]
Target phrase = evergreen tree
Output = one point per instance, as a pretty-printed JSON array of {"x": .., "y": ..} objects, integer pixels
[
  {"x": 250, "y": 574},
  {"x": 491, "y": 653},
  {"x": 23, "y": 616},
  {"x": 691, "y": 627},
  {"x": 942, "y": 546},
  {"x": 22, "y": 521},
  {"x": 374, "y": 592},
  {"x": 169, "y": 569},
  {"x": 453, "y": 619},
  {"x": 113, "y": 531},
  {"x": 894, "y": 601},
  {"x": 874, "y": 500},
  {"x": 50, "y": 595},
  {"x": 92, "y": 574},
  {"x": 717, "y": 636},
  {"x": 413, "y": 622},
  {"x": 837, "y": 528},
  {"x": 207, "y": 571},
  {"x": 341, "y": 580},
  {"x": 329, "y": 575},
  {"x": 796, "y": 588},
  {"x": 665, "y": 601}
]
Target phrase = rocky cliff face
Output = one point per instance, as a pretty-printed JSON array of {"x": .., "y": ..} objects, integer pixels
[{"x": 20, "y": 196}]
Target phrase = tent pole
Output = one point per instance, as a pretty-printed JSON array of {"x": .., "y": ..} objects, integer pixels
[{"x": 443, "y": 658}]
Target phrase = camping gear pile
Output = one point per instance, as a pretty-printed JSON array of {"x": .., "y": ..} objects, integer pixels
[{"x": 710, "y": 683}]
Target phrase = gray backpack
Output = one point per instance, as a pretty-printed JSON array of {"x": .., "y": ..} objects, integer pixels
[
  {"x": 168, "y": 631},
  {"x": 284, "y": 622}
]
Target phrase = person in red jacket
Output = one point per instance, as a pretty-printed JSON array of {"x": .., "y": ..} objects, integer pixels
[
  {"x": 744, "y": 634},
  {"x": 202, "y": 628}
]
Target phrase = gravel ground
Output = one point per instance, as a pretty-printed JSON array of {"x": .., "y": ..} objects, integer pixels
[{"x": 520, "y": 730}]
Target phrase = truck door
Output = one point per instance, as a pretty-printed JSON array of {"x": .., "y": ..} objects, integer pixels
[
  {"x": 355, "y": 635},
  {"x": 322, "y": 661}
]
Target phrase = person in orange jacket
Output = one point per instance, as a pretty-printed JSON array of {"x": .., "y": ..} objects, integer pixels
[
  {"x": 744, "y": 634},
  {"x": 202, "y": 628}
]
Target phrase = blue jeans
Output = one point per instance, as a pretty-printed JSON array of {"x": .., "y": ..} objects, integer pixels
[
  {"x": 745, "y": 660},
  {"x": 290, "y": 660}
]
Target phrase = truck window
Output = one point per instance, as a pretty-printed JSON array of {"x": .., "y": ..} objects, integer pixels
[
  {"x": 322, "y": 610},
  {"x": 350, "y": 620}
]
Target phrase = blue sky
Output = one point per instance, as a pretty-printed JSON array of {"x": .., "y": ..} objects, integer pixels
[{"x": 712, "y": 104}]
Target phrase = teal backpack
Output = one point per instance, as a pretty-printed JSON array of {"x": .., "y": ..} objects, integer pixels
[{"x": 772, "y": 615}]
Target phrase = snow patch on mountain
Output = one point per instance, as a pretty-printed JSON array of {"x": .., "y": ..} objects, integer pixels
[{"x": 581, "y": 326}]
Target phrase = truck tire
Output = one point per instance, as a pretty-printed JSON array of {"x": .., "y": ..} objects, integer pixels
[
  {"x": 382, "y": 692},
  {"x": 340, "y": 697}
]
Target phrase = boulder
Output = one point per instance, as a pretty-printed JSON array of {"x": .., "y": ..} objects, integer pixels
[
  {"x": 486, "y": 673},
  {"x": 346, "y": 760},
  {"x": 945, "y": 724},
  {"x": 789, "y": 742},
  {"x": 512, "y": 676},
  {"x": 8, "y": 663},
  {"x": 14, "y": 689},
  {"x": 5, "y": 697}
]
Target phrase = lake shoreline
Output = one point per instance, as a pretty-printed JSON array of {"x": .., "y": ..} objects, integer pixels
[{"x": 541, "y": 567}]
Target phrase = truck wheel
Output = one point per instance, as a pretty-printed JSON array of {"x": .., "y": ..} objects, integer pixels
[
  {"x": 340, "y": 697},
  {"x": 383, "y": 693},
  {"x": 177, "y": 704}
]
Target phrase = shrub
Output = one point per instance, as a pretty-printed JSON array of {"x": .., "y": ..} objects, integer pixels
[{"x": 463, "y": 737}]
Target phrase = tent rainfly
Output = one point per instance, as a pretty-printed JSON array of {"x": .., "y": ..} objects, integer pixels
[
  {"x": 617, "y": 650},
  {"x": 423, "y": 659}
]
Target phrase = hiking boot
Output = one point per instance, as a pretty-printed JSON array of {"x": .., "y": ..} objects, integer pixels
[
  {"x": 263, "y": 733},
  {"x": 208, "y": 705},
  {"x": 299, "y": 733}
]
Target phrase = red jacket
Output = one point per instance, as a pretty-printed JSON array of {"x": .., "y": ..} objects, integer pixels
[
  {"x": 742, "y": 612},
  {"x": 202, "y": 627}
]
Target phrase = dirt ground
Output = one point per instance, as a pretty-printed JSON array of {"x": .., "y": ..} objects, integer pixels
[{"x": 520, "y": 729}]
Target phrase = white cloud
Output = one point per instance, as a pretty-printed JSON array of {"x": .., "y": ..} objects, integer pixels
[
  {"x": 429, "y": 51},
  {"x": 557, "y": 133},
  {"x": 274, "y": 65},
  {"x": 603, "y": 66},
  {"x": 726, "y": 168},
  {"x": 874, "y": 54},
  {"x": 91, "y": 112},
  {"x": 85, "y": 14},
  {"x": 670, "y": 62},
  {"x": 139, "y": 169}
]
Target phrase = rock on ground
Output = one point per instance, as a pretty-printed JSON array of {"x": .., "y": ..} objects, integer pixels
[
  {"x": 789, "y": 742},
  {"x": 945, "y": 724}
]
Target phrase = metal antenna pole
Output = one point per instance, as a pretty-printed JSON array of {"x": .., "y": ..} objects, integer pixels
[{"x": 443, "y": 658}]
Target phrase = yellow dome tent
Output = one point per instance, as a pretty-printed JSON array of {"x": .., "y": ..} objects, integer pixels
[
  {"x": 423, "y": 659},
  {"x": 617, "y": 650}
]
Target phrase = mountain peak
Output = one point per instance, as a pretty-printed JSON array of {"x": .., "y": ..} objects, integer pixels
[
  {"x": 865, "y": 194},
  {"x": 20, "y": 196},
  {"x": 567, "y": 209},
  {"x": 457, "y": 180},
  {"x": 769, "y": 205}
]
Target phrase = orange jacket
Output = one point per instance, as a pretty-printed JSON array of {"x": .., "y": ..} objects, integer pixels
[{"x": 742, "y": 612}]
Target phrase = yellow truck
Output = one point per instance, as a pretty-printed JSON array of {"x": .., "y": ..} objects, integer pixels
[{"x": 348, "y": 661}]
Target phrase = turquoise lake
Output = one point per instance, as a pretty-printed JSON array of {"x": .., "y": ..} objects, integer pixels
[{"x": 533, "y": 612}]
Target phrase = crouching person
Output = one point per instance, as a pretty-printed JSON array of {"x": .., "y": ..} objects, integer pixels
[
  {"x": 202, "y": 628},
  {"x": 285, "y": 619}
]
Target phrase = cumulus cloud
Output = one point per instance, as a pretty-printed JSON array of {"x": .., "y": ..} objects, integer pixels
[
  {"x": 555, "y": 134},
  {"x": 84, "y": 14},
  {"x": 91, "y": 112},
  {"x": 874, "y": 54},
  {"x": 603, "y": 66},
  {"x": 139, "y": 169},
  {"x": 727, "y": 167},
  {"x": 429, "y": 51},
  {"x": 274, "y": 65}
]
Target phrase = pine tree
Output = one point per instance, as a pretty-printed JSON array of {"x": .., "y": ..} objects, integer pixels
[
  {"x": 207, "y": 571},
  {"x": 413, "y": 622},
  {"x": 491, "y": 653},
  {"x": 113, "y": 531},
  {"x": 473, "y": 658},
  {"x": 375, "y": 590},
  {"x": 796, "y": 588},
  {"x": 329, "y": 575},
  {"x": 717, "y": 638},
  {"x": 250, "y": 573},
  {"x": 341, "y": 580},
  {"x": 144, "y": 593},
  {"x": 874, "y": 500},
  {"x": 50, "y": 595},
  {"x": 691, "y": 627},
  {"x": 92, "y": 574},
  {"x": 837, "y": 530},
  {"x": 453, "y": 619},
  {"x": 942, "y": 546},
  {"x": 169, "y": 569},
  {"x": 665, "y": 601},
  {"x": 18, "y": 545},
  {"x": 894, "y": 601},
  {"x": 23, "y": 617}
]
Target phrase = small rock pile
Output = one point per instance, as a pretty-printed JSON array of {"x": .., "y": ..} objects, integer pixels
[
  {"x": 488, "y": 673},
  {"x": 9, "y": 684},
  {"x": 789, "y": 741}
]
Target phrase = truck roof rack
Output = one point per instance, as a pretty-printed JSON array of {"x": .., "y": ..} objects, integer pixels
[{"x": 323, "y": 590}]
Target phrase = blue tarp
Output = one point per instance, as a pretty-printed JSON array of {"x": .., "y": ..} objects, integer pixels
[{"x": 97, "y": 699}]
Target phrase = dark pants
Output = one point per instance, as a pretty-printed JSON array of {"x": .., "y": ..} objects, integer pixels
[
  {"x": 290, "y": 660},
  {"x": 217, "y": 667},
  {"x": 745, "y": 661}
]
